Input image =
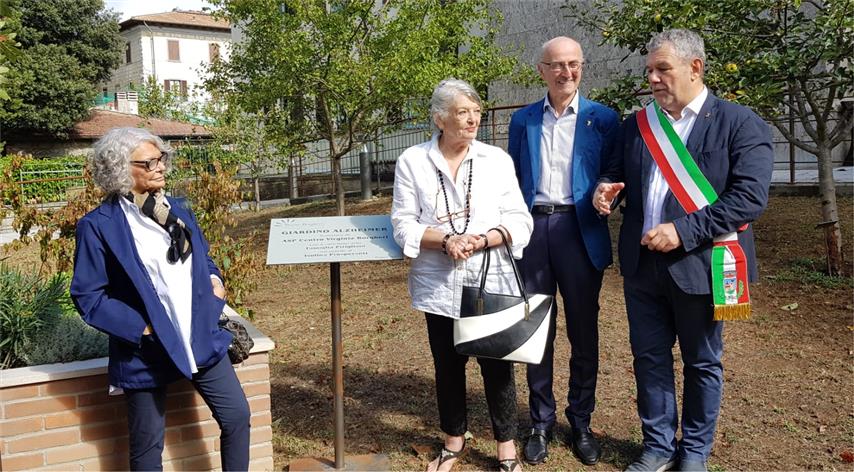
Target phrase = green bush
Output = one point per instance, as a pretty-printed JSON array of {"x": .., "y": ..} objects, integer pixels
[
  {"x": 70, "y": 339},
  {"x": 39, "y": 324},
  {"x": 27, "y": 304},
  {"x": 53, "y": 175}
]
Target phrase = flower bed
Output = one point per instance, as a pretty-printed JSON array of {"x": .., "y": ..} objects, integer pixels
[{"x": 59, "y": 417}]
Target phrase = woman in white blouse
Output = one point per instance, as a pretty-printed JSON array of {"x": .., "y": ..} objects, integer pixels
[{"x": 448, "y": 194}]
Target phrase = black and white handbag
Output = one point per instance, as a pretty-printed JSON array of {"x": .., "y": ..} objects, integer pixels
[{"x": 501, "y": 326}]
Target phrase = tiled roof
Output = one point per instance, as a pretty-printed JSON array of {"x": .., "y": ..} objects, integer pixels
[
  {"x": 101, "y": 121},
  {"x": 187, "y": 18}
]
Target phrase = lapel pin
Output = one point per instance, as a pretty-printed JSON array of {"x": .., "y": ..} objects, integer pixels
[
  {"x": 708, "y": 114},
  {"x": 589, "y": 122}
]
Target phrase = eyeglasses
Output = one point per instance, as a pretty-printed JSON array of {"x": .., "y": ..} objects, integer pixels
[
  {"x": 452, "y": 216},
  {"x": 173, "y": 254},
  {"x": 152, "y": 164},
  {"x": 448, "y": 217},
  {"x": 573, "y": 66}
]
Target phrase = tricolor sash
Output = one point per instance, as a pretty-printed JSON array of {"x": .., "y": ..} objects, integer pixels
[{"x": 693, "y": 191}]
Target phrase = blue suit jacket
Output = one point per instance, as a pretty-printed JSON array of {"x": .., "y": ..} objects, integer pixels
[
  {"x": 113, "y": 293},
  {"x": 595, "y": 131},
  {"x": 732, "y": 147}
]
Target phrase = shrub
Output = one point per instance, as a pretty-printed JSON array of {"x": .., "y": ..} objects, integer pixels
[
  {"x": 46, "y": 180},
  {"x": 28, "y": 303},
  {"x": 53, "y": 228},
  {"x": 39, "y": 324},
  {"x": 69, "y": 339},
  {"x": 213, "y": 194}
]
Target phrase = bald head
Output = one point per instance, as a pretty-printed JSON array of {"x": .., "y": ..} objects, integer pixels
[
  {"x": 560, "y": 43},
  {"x": 560, "y": 67}
]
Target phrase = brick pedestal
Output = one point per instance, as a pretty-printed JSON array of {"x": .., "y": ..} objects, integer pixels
[{"x": 59, "y": 417}]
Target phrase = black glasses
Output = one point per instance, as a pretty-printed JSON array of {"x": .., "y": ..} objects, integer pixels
[{"x": 152, "y": 164}]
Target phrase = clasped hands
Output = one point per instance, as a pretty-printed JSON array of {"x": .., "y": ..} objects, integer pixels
[
  {"x": 662, "y": 238},
  {"x": 463, "y": 246}
]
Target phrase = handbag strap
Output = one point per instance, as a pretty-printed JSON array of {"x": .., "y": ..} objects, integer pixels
[{"x": 485, "y": 267}]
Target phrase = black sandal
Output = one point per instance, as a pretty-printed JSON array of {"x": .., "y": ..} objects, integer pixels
[
  {"x": 509, "y": 465},
  {"x": 446, "y": 454}
]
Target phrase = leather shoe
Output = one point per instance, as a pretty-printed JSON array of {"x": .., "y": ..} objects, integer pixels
[
  {"x": 649, "y": 462},
  {"x": 585, "y": 446},
  {"x": 537, "y": 446}
]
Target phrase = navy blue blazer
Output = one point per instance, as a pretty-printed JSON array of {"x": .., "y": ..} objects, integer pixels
[
  {"x": 732, "y": 146},
  {"x": 595, "y": 131},
  {"x": 113, "y": 293}
]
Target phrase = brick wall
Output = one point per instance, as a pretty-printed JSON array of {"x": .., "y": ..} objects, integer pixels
[{"x": 59, "y": 417}]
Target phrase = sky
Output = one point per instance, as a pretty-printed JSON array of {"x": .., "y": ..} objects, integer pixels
[{"x": 129, "y": 8}]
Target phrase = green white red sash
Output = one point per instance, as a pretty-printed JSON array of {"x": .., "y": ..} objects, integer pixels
[{"x": 693, "y": 191}]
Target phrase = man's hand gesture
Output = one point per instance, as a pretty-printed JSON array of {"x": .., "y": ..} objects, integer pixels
[{"x": 604, "y": 196}]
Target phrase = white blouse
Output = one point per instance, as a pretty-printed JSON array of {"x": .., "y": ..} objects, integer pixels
[
  {"x": 436, "y": 280},
  {"x": 172, "y": 282}
]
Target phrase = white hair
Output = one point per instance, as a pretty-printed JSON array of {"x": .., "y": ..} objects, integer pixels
[
  {"x": 110, "y": 160},
  {"x": 444, "y": 95},
  {"x": 687, "y": 44}
]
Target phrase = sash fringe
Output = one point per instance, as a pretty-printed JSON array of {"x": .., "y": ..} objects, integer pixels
[{"x": 740, "y": 311}]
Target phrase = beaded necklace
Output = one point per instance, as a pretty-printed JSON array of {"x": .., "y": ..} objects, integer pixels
[{"x": 468, "y": 200}]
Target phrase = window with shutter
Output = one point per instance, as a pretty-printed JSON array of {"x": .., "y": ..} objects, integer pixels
[
  {"x": 213, "y": 51},
  {"x": 127, "y": 53},
  {"x": 176, "y": 87},
  {"x": 174, "y": 51}
]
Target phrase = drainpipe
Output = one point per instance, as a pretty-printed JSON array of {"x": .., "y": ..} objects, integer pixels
[{"x": 153, "y": 62}]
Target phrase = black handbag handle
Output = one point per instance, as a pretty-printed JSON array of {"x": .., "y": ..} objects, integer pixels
[{"x": 485, "y": 268}]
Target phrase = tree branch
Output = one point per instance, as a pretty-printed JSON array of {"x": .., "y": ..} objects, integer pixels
[
  {"x": 792, "y": 139},
  {"x": 828, "y": 102},
  {"x": 802, "y": 111},
  {"x": 841, "y": 131}
]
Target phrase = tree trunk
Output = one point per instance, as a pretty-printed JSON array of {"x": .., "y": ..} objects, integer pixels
[
  {"x": 829, "y": 212},
  {"x": 339, "y": 185},
  {"x": 257, "y": 195}
]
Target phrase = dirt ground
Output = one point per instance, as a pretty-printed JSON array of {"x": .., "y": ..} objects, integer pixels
[{"x": 787, "y": 398}]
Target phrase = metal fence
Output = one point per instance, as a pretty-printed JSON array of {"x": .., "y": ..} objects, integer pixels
[{"x": 310, "y": 173}]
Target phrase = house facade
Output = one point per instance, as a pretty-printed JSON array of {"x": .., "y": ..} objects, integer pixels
[{"x": 173, "y": 48}]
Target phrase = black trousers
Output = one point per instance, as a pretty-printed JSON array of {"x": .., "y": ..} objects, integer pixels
[
  {"x": 498, "y": 382},
  {"x": 221, "y": 390},
  {"x": 557, "y": 258}
]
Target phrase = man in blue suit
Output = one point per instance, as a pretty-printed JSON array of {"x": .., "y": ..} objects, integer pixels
[
  {"x": 558, "y": 145},
  {"x": 665, "y": 251}
]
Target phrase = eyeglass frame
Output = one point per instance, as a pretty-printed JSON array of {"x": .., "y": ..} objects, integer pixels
[
  {"x": 453, "y": 216},
  {"x": 147, "y": 164},
  {"x": 572, "y": 66}
]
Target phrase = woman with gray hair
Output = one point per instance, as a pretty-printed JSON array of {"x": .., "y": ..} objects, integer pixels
[
  {"x": 142, "y": 274},
  {"x": 450, "y": 194}
]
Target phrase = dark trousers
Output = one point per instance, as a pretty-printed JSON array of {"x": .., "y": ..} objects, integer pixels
[
  {"x": 498, "y": 383},
  {"x": 557, "y": 258},
  {"x": 660, "y": 313},
  {"x": 221, "y": 390}
]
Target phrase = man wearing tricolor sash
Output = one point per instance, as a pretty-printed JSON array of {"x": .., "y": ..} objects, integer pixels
[{"x": 694, "y": 172}]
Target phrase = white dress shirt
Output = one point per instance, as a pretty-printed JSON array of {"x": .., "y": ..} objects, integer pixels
[
  {"x": 172, "y": 282},
  {"x": 658, "y": 187},
  {"x": 556, "y": 143},
  {"x": 436, "y": 280}
]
